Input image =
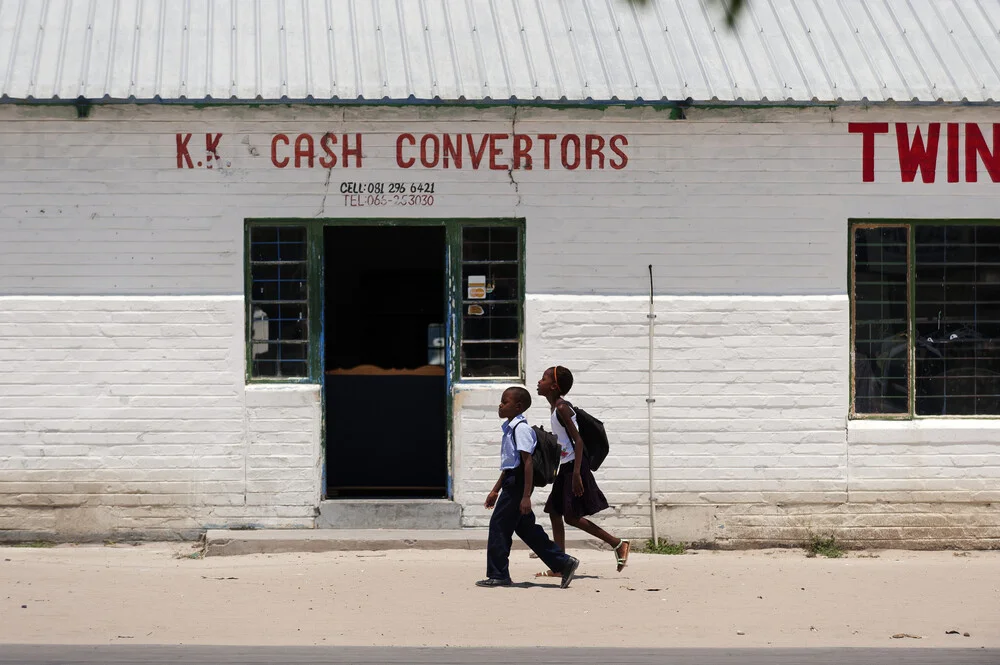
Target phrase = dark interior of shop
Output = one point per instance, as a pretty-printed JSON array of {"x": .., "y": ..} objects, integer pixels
[{"x": 385, "y": 385}]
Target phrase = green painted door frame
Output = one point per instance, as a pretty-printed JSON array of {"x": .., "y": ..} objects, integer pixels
[{"x": 316, "y": 275}]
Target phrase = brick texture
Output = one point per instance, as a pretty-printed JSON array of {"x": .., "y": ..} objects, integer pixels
[
  {"x": 129, "y": 415},
  {"x": 123, "y": 401}
]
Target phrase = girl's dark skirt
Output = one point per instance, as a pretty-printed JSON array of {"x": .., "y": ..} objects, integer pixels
[{"x": 561, "y": 500}]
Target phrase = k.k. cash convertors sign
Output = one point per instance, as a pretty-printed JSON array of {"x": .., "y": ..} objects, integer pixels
[{"x": 430, "y": 151}]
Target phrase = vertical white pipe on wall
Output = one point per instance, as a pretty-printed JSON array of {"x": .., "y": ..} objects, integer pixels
[{"x": 649, "y": 413}]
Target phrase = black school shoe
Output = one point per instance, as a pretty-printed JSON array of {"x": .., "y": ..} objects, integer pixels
[
  {"x": 569, "y": 571},
  {"x": 491, "y": 582}
]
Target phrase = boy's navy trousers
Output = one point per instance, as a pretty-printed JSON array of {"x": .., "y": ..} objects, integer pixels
[{"x": 508, "y": 520}]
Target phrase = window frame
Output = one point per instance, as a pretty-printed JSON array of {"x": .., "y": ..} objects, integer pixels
[
  {"x": 911, "y": 325},
  {"x": 316, "y": 292},
  {"x": 457, "y": 308},
  {"x": 312, "y": 301}
]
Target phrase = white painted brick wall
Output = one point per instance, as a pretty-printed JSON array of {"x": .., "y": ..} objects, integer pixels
[
  {"x": 736, "y": 420},
  {"x": 130, "y": 414},
  {"x": 123, "y": 402},
  {"x": 925, "y": 460}
]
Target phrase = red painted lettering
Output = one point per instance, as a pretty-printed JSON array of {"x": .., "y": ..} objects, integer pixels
[
  {"x": 352, "y": 152},
  {"x": 283, "y": 138},
  {"x": 868, "y": 130},
  {"x": 617, "y": 141},
  {"x": 452, "y": 150},
  {"x": 428, "y": 139},
  {"x": 327, "y": 142},
  {"x": 522, "y": 151},
  {"x": 915, "y": 156},
  {"x": 404, "y": 163},
  {"x": 304, "y": 147},
  {"x": 595, "y": 148},
  {"x": 975, "y": 145},
  {"x": 546, "y": 139},
  {"x": 183, "y": 156},
  {"x": 496, "y": 151},
  {"x": 212, "y": 145},
  {"x": 477, "y": 155},
  {"x": 952, "y": 152},
  {"x": 566, "y": 161}
]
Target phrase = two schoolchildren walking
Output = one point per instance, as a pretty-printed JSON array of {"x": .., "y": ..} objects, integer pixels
[
  {"x": 511, "y": 496},
  {"x": 574, "y": 494}
]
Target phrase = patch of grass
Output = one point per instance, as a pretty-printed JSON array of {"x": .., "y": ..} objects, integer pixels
[
  {"x": 827, "y": 547},
  {"x": 35, "y": 543},
  {"x": 663, "y": 547}
]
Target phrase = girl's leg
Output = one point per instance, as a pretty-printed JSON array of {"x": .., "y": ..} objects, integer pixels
[
  {"x": 619, "y": 545},
  {"x": 558, "y": 531},
  {"x": 584, "y": 524}
]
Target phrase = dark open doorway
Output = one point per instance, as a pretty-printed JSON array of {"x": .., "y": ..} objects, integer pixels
[{"x": 385, "y": 381}]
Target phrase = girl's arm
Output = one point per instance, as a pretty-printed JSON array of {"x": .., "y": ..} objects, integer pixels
[{"x": 566, "y": 417}]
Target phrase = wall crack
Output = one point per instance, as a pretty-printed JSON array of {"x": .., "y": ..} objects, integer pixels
[
  {"x": 510, "y": 169},
  {"x": 326, "y": 192}
]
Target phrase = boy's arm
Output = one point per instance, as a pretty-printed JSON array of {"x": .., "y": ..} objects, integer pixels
[
  {"x": 491, "y": 498},
  {"x": 529, "y": 472}
]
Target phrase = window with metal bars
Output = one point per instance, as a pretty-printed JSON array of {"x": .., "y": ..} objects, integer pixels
[
  {"x": 926, "y": 319},
  {"x": 278, "y": 307},
  {"x": 492, "y": 302}
]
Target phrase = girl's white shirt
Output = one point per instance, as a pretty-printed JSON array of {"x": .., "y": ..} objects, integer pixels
[{"x": 565, "y": 442}]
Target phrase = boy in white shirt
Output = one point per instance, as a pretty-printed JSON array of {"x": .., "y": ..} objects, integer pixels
[{"x": 512, "y": 497}]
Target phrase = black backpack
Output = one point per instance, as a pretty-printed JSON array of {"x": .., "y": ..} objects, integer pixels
[
  {"x": 595, "y": 438},
  {"x": 545, "y": 459}
]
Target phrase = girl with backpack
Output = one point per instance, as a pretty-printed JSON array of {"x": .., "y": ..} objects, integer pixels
[{"x": 575, "y": 494}]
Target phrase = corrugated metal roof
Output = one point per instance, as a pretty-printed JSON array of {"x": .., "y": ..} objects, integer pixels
[{"x": 500, "y": 50}]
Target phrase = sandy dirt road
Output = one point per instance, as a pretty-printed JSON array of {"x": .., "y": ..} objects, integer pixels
[{"x": 154, "y": 593}]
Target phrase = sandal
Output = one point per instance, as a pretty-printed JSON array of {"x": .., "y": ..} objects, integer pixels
[
  {"x": 621, "y": 553},
  {"x": 548, "y": 573}
]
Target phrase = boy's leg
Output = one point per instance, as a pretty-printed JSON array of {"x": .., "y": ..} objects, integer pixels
[
  {"x": 559, "y": 538},
  {"x": 502, "y": 525},
  {"x": 534, "y": 536}
]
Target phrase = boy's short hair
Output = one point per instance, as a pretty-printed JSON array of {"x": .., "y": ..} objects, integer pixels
[
  {"x": 564, "y": 379},
  {"x": 521, "y": 396}
]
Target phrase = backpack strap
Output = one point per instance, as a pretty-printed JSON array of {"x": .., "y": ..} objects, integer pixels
[
  {"x": 558, "y": 417},
  {"x": 573, "y": 409},
  {"x": 513, "y": 439}
]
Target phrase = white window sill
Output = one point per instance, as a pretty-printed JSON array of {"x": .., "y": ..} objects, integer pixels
[{"x": 924, "y": 430}]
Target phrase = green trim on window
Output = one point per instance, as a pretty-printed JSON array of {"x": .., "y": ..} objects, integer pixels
[
  {"x": 458, "y": 244},
  {"x": 311, "y": 300},
  {"x": 911, "y": 313},
  {"x": 852, "y": 294},
  {"x": 317, "y": 287}
]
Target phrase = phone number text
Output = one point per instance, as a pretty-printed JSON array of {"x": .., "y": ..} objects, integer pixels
[
  {"x": 387, "y": 188},
  {"x": 377, "y": 200}
]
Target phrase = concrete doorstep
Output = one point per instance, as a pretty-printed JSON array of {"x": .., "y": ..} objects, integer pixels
[{"x": 223, "y": 542}]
